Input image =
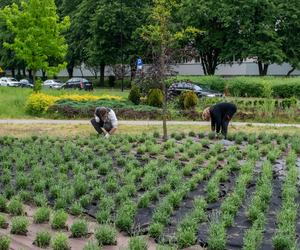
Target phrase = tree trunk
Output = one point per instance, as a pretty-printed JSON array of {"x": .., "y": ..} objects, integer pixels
[
  {"x": 162, "y": 75},
  {"x": 102, "y": 72},
  {"x": 70, "y": 69},
  {"x": 19, "y": 74},
  {"x": 132, "y": 70},
  {"x": 262, "y": 68},
  {"x": 30, "y": 74},
  {"x": 291, "y": 71},
  {"x": 34, "y": 76},
  {"x": 24, "y": 72},
  {"x": 209, "y": 61},
  {"x": 165, "y": 106},
  {"x": 13, "y": 73},
  {"x": 81, "y": 71},
  {"x": 44, "y": 75},
  {"x": 35, "y": 87}
]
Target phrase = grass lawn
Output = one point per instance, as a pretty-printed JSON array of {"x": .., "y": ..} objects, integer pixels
[{"x": 12, "y": 100}]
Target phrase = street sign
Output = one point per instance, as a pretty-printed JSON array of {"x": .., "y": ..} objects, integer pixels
[
  {"x": 139, "y": 63},
  {"x": 1, "y": 70}
]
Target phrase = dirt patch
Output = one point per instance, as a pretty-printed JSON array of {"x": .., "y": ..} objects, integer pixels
[
  {"x": 275, "y": 202},
  {"x": 26, "y": 242},
  {"x": 241, "y": 222}
]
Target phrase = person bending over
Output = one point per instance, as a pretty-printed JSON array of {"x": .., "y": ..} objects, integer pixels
[
  {"x": 105, "y": 121},
  {"x": 220, "y": 114}
]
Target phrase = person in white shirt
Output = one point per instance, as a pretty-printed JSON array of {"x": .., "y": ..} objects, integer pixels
[{"x": 105, "y": 121}]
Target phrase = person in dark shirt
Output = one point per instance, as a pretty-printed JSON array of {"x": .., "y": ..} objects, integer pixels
[{"x": 220, "y": 115}]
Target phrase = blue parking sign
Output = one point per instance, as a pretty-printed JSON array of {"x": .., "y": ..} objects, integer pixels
[{"x": 139, "y": 63}]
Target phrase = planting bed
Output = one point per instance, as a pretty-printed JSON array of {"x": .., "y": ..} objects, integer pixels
[{"x": 240, "y": 193}]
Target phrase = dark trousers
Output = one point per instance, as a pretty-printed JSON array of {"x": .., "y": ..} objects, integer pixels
[
  {"x": 99, "y": 125},
  {"x": 224, "y": 127}
]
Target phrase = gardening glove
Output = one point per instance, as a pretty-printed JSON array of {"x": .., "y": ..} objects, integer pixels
[
  {"x": 97, "y": 119},
  {"x": 107, "y": 135}
]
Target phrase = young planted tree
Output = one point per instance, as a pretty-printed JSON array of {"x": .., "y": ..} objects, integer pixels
[
  {"x": 165, "y": 39},
  {"x": 37, "y": 34}
]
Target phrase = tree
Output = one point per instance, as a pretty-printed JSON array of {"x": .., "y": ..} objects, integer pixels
[
  {"x": 78, "y": 35},
  {"x": 258, "y": 33},
  {"x": 165, "y": 38},
  {"x": 216, "y": 43},
  {"x": 288, "y": 28},
  {"x": 8, "y": 59},
  {"x": 112, "y": 29},
  {"x": 37, "y": 34}
]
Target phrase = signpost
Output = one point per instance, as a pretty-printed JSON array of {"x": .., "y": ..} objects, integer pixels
[{"x": 139, "y": 64}]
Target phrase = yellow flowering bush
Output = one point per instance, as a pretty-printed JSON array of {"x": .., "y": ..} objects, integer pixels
[
  {"x": 38, "y": 103},
  {"x": 82, "y": 98}
]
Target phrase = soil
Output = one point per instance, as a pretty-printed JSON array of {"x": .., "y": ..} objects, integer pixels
[
  {"x": 26, "y": 242},
  {"x": 241, "y": 223},
  {"x": 186, "y": 206},
  {"x": 271, "y": 214}
]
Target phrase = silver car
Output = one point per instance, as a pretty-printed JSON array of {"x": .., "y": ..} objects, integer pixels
[
  {"x": 9, "y": 82},
  {"x": 55, "y": 84}
]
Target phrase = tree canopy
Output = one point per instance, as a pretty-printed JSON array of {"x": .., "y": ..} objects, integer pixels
[
  {"x": 105, "y": 32},
  {"x": 37, "y": 39}
]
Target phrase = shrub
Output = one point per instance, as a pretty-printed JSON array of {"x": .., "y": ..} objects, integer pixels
[
  {"x": 245, "y": 87},
  {"x": 15, "y": 207},
  {"x": 135, "y": 95},
  {"x": 19, "y": 225},
  {"x": 103, "y": 215},
  {"x": 156, "y": 229},
  {"x": 41, "y": 215},
  {"x": 125, "y": 216},
  {"x": 111, "y": 81},
  {"x": 59, "y": 220},
  {"x": 79, "y": 229},
  {"x": 60, "y": 242},
  {"x": 37, "y": 87},
  {"x": 42, "y": 239},
  {"x": 91, "y": 245},
  {"x": 186, "y": 237},
  {"x": 76, "y": 209},
  {"x": 4, "y": 242},
  {"x": 2, "y": 204},
  {"x": 138, "y": 243},
  {"x": 106, "y": 235},
  {"x": 188, "y": 99},
  {"x": 155, "y": 98},
  {"x": 3, "y": 223},
  {"x": 38, "y": 103}
]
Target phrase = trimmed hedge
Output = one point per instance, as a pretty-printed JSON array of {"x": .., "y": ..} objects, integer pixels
[{"x": 248, "y": 86}]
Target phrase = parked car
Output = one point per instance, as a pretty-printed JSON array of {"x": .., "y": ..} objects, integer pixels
[
  {"x": 55, "y": 84},
  {"x": 9, "y": 81},
  {"x": 78, "y": 83},
  {"x": 176, "y": 88},
  {"x": 25, "y": 83}
]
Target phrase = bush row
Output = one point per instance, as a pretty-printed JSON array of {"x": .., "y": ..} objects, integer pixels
[
  {"x": 38, "y": 103},
  {"x": 250, "y": 86}
]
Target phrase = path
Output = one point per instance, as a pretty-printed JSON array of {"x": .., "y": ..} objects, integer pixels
[{"x": 140, "y": 122}]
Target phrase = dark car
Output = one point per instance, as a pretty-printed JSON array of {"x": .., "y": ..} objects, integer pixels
[
  {"x": 24, "y": 83},
  {"x": 78, "y": 83},
  {"x": 176, "y": 88}
]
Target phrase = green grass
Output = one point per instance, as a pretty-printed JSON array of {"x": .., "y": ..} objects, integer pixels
[{"x": 13, "y": 100}]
